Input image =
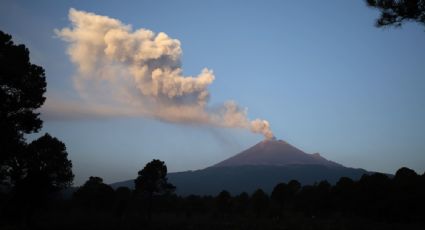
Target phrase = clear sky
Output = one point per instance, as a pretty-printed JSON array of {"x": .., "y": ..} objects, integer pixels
[{"x": 325, "y": 78}]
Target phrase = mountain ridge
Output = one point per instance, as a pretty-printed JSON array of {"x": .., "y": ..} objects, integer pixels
[
  {"x": 277, "y": 153},
  {"x": 263, "y": 165}
]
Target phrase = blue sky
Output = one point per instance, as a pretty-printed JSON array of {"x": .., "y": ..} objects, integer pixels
[{"x": 326, "y": 79}]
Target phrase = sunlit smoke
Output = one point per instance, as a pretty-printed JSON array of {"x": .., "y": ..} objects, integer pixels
[{"x": 138, "y": 73}]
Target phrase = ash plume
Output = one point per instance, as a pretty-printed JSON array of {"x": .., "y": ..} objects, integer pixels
[{"x": 138, "y": 73}]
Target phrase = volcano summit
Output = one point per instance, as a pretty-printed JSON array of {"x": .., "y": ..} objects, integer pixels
[
  {"x": 275, "y": 153},
  {"x": 263, "y": 165}
]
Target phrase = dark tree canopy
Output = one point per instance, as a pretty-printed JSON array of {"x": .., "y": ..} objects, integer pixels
[
  {"x": 395, "y": 12},
  {"x": 260, "y": 201},
  {"x": 405, "y": 174},
  {"x": 224, "y": 201},
  {"x": 294, "y": 186},
  {"x": 94, "y": 193},
  {"x": 33, "y": 170},
  {"x": 406, "y": 177},
  {"x": 152, "y": 179},
  {"x": 43, "y": 168},
  {"x": 242, "y": 202},
  {"x": 280, "y": 193},
  {"x": 376, "y": 201},
  {"x": 48, "y": 160},
  {"x": 22, "y": 86}
]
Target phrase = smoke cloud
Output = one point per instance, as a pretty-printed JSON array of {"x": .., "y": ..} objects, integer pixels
[{"x": 138, "y": 73}]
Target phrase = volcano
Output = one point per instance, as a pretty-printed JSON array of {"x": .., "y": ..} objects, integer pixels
[
  {"x": 263, "y": 165},
  {"x": 275, "y": 153}
]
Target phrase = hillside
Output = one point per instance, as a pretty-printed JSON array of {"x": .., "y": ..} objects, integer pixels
[{"x": 261, "y": 166}]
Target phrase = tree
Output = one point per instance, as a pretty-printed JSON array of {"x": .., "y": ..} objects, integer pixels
[
  {"x": 323, "y": 197},
  {"x": 345, "y": 195},
  {"x": 43, "y": 168},
  {"x": 406, "y": 180},
  {"x": 152, "y": 180},
  {"x": 40, "y": 170},
  {"x": 260, "y": 201},
  {"x": 242, "y": 203},
  {"x": 94, "y": 193},
  {"x": 407, "y": 193},
  {"x": 374, "y": 187},
  {"x": 224, "y": 202},
  {"x": 122, "y": 199},
  {"x": 294, "y": 187},
  {"x": 22, "y": 86},
  {"x": 406, "y": 174},
  {"x": 280, "y": 194},
  {"x": 395, "y": 12},
  {"x": 193, "y": 204},
  {"x": 29, "y": 172}
]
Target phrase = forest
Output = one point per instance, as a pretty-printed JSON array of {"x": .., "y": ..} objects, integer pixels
[
  {"x": 376, "y": 201},
  {"x": 37, "y": 192}
]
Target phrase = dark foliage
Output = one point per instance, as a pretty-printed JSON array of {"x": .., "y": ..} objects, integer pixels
[
  {"x": 375, "y": 201},
  {"x": 47, "y": 164},
  {"x": 152, "y": 181},
  {"x": 280, "y": 194},
  {"x": 41, "y": 166},
  {"x": 260, "y": 202},
  {"x": 94, "y": 194},
  {"x": 213, "y": 180},
  {"x": 22, "y": 86},
  {"x": 224, "y": 202},
  {"x": 395, "y": 12},
  {"x": 43, "y": 170},
  {"x": 32, "y": 173}
]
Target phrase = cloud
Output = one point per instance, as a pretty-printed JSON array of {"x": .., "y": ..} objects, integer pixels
[{"x": 126, "y": 72}]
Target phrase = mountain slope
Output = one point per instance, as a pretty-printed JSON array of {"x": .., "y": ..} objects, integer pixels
[
  {"x": 262, "y": 166},
  {"x": 277, "y": 153},
  {"x": 211, "y": 181}
]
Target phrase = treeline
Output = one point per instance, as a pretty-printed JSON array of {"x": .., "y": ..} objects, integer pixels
[
  {"x": 375, "y": 201},
  {"x": 32, "y": 174}
]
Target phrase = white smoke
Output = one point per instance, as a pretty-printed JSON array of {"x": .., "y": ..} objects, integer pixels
[{"x": 140, "y": 73}]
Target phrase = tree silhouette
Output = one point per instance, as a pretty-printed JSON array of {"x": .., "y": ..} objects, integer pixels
[
  {"x": 395, "y": 12},
  {"x": 44, "y": 166},
  {"x": 224, "y": 202},
  {"x": 280, "y": 194},
  {"x": 42, "y": 169},
  {"x": 408, "y": 193},
  {"x": 29, "y": 172},
  {"x": 242, "y": 203},
  {"x": 122, "y": 198},
  {"x": 376, "y": 201},
  {"x": 152, "y": 180},
  {"x": 260, "y": 202},
  {"x": 345, "y": 194},
  {"x": 194, "y": 204},
  {"x": 94, "y": 193},
  {"x": 406, "y": 176},
  {"x": 323, "y": 198},
  {"x": 22, "y": 86},
  {"x": 294, "y": 187}
]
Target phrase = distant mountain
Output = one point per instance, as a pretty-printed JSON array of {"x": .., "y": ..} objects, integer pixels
[
  {"x": 276, "y": 153},
  {"x": 261, "y": 166}
]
